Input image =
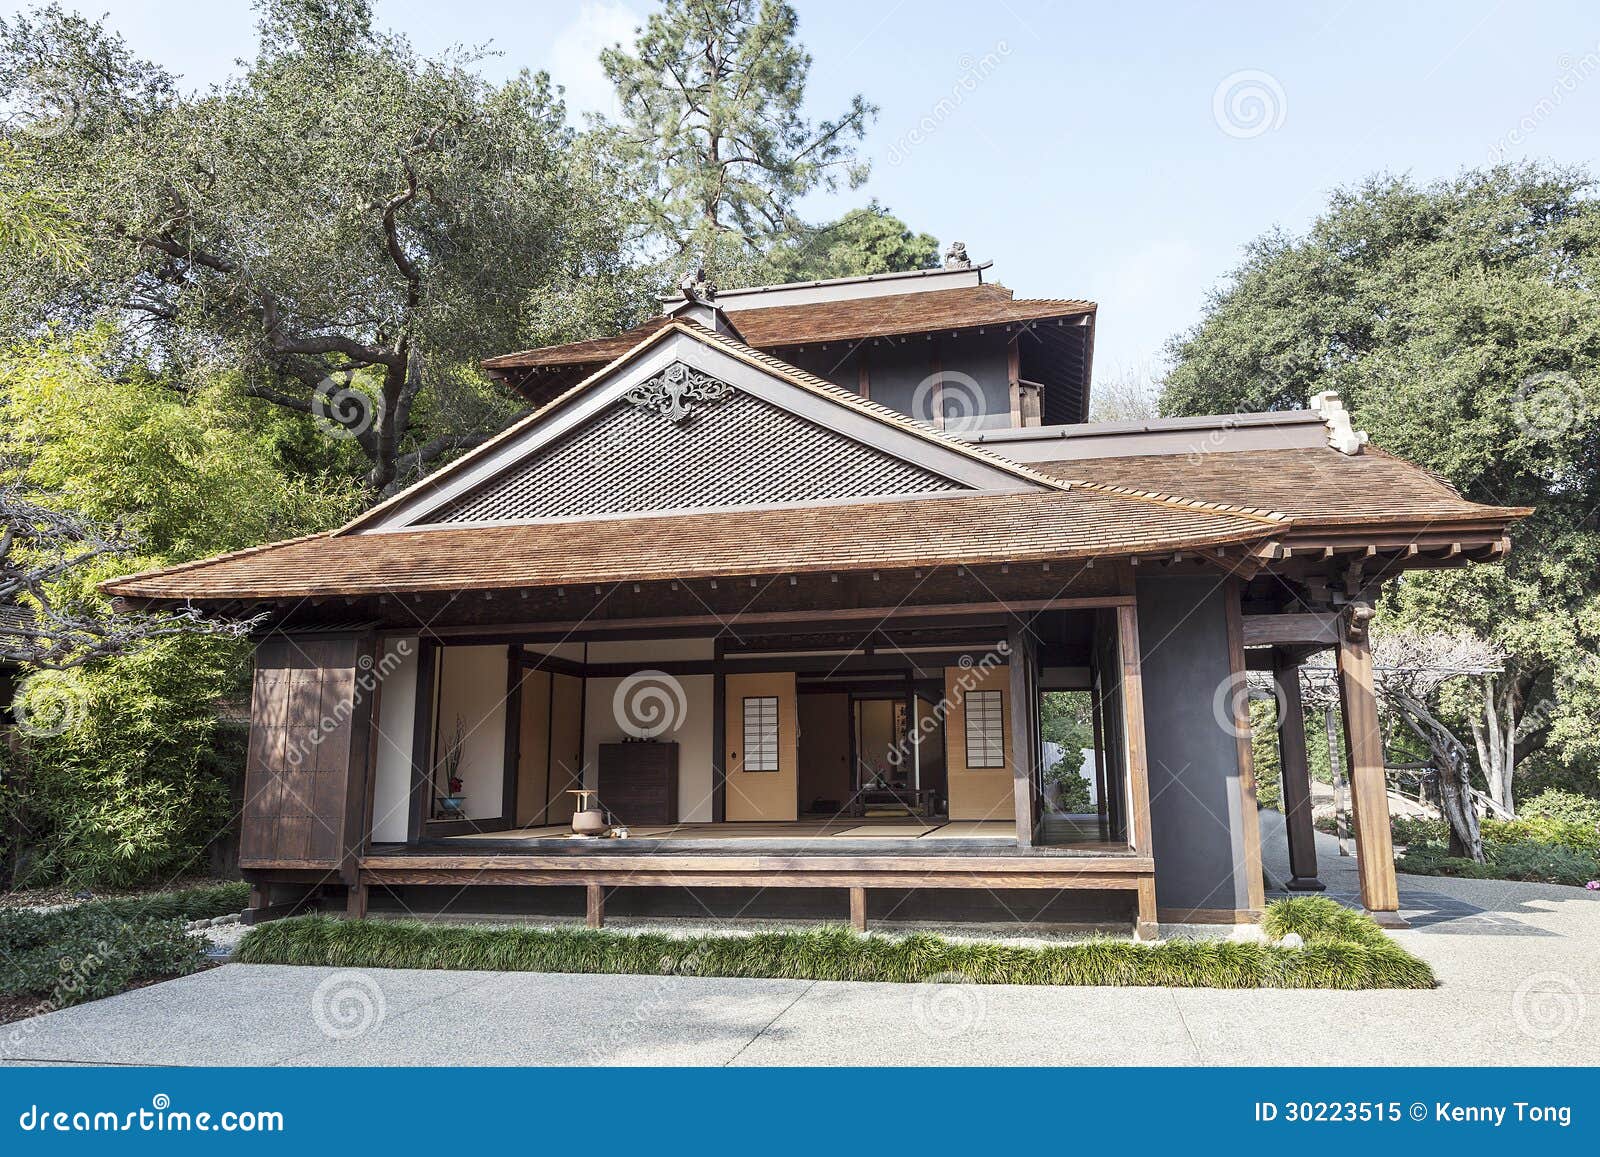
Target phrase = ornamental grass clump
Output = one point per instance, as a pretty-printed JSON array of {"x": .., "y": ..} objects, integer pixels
[{"x": 1341, "y": 949}]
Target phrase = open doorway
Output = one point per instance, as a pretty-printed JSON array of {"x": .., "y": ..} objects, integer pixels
[{"x": 1071, "y": 762}]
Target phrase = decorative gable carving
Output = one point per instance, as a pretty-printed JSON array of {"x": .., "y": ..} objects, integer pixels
[
  {"x": 671, "y": 392},
  {"x": 729, "y": 449}
]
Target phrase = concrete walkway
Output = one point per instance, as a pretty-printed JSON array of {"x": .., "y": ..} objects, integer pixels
[{"x": 1519, "y": 967}]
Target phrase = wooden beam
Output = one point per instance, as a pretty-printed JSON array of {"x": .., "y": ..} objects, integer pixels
[
  {"x": 1135, "y": 759},
  {"x": 1369, "y": 797},
  {"x": 595, "y": 914},
  {"x": 1249, "y": 813},
  {"x": 1309, "y": 628},
  {"x": 578, "y": 629},
  {"x": 1052, "y": 868},
  {"x": 1294, "y": 771},
  {"x": 355, "y": 904},
  {"x": 858, "y": 909}
]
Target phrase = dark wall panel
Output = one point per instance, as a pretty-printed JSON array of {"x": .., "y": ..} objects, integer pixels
[{"x": 1194, "y": 760}]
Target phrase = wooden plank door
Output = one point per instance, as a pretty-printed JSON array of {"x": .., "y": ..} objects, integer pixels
[
  {"x": 306, "y": 769},
  {"x": 761, "y": 749}
]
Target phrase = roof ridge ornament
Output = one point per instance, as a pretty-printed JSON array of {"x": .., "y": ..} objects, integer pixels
[
  {"x": 1342, "y": 434},
  {"x": 697, "y": 287},
  {"x": 670, "y": 392},
  {"x": 956, "y": 257}
]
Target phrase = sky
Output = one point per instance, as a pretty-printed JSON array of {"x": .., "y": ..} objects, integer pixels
[{"x": 1124, "y": 153}]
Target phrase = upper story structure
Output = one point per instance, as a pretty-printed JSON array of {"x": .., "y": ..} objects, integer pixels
[{"x": 945, "y": 346}]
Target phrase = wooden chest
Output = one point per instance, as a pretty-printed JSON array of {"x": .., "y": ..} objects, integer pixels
[{"x": 639, "y": 781}]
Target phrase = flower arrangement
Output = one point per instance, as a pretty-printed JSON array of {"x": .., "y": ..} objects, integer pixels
[{"x": 450, "y": 766}]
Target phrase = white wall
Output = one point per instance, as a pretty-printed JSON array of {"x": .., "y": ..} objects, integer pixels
[
  {"x": 472, "y": 687},
  {"x": 397, "y": 705}
]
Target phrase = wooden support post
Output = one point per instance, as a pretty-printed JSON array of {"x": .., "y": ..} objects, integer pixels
[
  {"x": 596, "y": 894},
  {"x": 1024, "y": 707},
  {"x": 1369, "y": 797},
  {"x": 1146, "y": 925},
  {"x": 1137, "y": 768},
  {"x": 355, "y": 903},
  {"x": 858, "y": 909},
  {"x": 1294, "y": 771}
]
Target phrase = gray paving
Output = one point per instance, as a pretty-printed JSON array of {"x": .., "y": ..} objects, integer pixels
[{"x": 1519, "y": 969}]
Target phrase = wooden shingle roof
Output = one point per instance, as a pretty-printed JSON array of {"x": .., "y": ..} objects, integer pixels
[
  {"x": 1308, "y": 484},
  {"x": 1080, "y": 522},
  {"x": 776, "y": 327}
]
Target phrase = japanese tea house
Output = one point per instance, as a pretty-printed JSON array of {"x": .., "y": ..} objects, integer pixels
[{"x": 783, "y": 574}]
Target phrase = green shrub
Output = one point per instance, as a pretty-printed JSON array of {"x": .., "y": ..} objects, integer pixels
[
  {"x": 202, "y": 903},
  {"x": 1537, "y": 861},
  {"x": 84, "y": 953},
  {"x": 1343, "y": 949},
  {"x": 1575, "y": 837},
  {"x": 127, "y": 794},
  {"x": 1526, "y": 860},
  {"x": 1409, "y": 831},
  {"x": 1566, "y": 806}
]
